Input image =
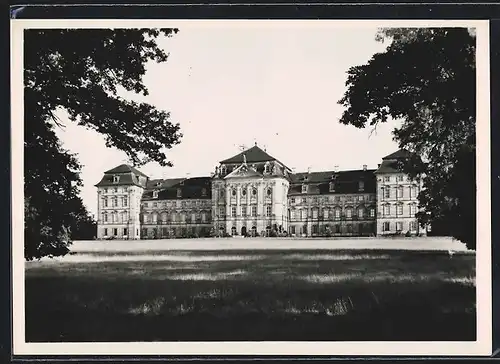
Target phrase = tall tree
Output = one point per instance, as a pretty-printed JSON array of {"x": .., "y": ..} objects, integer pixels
[
  {"x": 84, "y": 71},
  {"x": 427, "y": 79}
]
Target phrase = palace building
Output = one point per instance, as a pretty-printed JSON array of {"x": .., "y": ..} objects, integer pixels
[{"x": 254, "y": 194}]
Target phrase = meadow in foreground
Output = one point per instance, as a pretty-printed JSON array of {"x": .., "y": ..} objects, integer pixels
[{"x": 256, "y": 295}]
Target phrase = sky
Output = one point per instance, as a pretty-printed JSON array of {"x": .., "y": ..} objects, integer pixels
[{"x": 228, "y": 86}]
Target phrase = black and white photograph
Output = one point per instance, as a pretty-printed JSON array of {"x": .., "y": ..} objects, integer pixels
[{"x": 280, "y": 187}]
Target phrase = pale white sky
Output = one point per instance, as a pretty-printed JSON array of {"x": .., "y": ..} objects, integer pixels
[{"x": 228, "y": 86}]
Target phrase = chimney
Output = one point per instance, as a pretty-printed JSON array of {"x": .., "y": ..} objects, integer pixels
[
  {"x": 364, "y": 167},
  {"x": 335, "y": 169},
  {"x": 308, "y": 169}
]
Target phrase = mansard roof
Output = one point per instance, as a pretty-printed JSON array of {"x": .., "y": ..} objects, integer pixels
[
  {"x": 400, "y": 154},
  {"x": 345, "y": 182},
  {"x": 252, "y": 155},
  {"x": 191, "y": 188},
  {"x": 125, "y": 168},
  {"x": 389, "y": 166}
]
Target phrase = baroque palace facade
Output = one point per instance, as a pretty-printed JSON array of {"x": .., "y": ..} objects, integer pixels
[{"x": 254, "y": 194}]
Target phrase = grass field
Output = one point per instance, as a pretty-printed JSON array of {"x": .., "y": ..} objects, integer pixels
[{"x": 245, "y": 294}]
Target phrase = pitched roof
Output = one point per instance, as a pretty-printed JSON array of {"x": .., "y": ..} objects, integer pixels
[
  {"x": 125, "y": 168},
  {"x": 191, "y": 188},
  {"x": 253, "y": 155},
  {"x": 389, "y": 166},
  {"x": 400, "y": 154},
  {"x": 345, "y": 182},
  {"x": 125, "y": 180}
]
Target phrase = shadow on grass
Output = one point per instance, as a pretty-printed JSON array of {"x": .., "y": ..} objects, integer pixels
[{"x": 403, "y": 297}]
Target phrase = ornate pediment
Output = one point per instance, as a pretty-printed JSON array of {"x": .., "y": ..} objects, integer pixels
[{"x": 243, "y": 171}]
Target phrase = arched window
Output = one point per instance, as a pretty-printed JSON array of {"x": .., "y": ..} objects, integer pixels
[
  {"x": 244, "y": 191},
  {"x": 348, "y": 212},
  {"x": 233, "y": 192},
  {"x": 254, "y": 192},
  {"x": 269, "y": 192},
  {"x": 361, "y": 212}
]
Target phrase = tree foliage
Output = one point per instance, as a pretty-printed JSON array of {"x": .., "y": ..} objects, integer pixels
[
  {"x": 427, "y": 79},
  {"x": 84, "y": 72}
]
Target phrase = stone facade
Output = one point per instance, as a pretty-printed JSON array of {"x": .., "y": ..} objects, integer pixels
[
  {"x": 254, "y": 194},
  {"x": 397, "y": 198}
]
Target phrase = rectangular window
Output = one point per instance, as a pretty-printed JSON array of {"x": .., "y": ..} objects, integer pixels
[
  {"x": 292, "y": 230},
  {"x": 337, "y": 213},
  {"x": 361, "y": 185},
  {"x": 105, "y": 190},
  {"x": 337, "y": 229},
  {"x": 124, "y": 231},
  {"x": 361, "y": 213},
  {"x": 399, "y": 226},
  {"x": 105, "y": 231},
  {"x": 386, "y": 226},
  {"x": 372, "y": 212},
  {"x": 292, "y": 214},
  {"x": 315, "y": 200},
  {"x": 243, "y": 211},
  {"x": 387, "y": 210},
  {"x": 315, "y": 229},
  {"x": 233, "y": 211},
  {"x": 155, "y": 204},
  {"x": 304, "y": 200},
  {"x": 387, "y": 179},
  {"x": 400, "y": 209},
  {"x": 413, "y": 225},
  {"x": 145, "y": 204},
  {"x": 325, "y": 214},
  {"x": 304, "y": 188},
  {"x": 254, "y": 210},
  {"x": 105, "y": 217},
  {"x": 303, "y": 214},
  {"x": 361, "y": 198},
  {"x": 413, "y": 209},
  {"x": 387, "y": 192},
  {"x": 400, "y": 178},
  {"x": 115, "y": 232},
  {"x": 203, "y": 217},
  {"x": 193, "y": 217},
  {"x": 125, "y": 202},
  {"x": 400, "y": 192},
  {"x": 315, "y": 214},
  {"x": 268, "y": 211},
  {"x": 292, "y": 200},
  {"x": 332, "y": 187},
  {"x": 348, "y": 213},
  {"x": 221, "y": 212}
]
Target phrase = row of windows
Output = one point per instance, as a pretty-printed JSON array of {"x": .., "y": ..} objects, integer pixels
[
  {"x": 336, "y": 213},
  {"x": 336, "y": 229},
  {"x": 179, "y": 193},
  {"x": 153, "y": 218},
  {"x": 115, "y": 202},
  {"x": 326, "y": 199},
  {"x": 114, "y": 231},
  {"x": 399, "y": 209},
  {"x": 244, "y": 211},
  {"x": 114, "y": 190},
  {"x": 114, "y": 217},
  {"x": 399, "y": 192},
  {"x": 398, "y": 226},
  {"x": 177, "y": 203},
  {"x": 399, "y": 178},
  {"x": 244, "y": 193}
]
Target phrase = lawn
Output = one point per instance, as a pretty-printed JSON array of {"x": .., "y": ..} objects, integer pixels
[{"x": 256, "y": 295}]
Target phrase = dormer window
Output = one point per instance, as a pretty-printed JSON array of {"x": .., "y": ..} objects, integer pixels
[
  {"x": 179, "y": 192},
  {"x": 304, "y": 188},
  {"x": 203, "y": 191},
  {"x": 182, "y": 183},
  {"x": 116, "y": 179},
  {"x": 223, "y": 170},
  {"x": 361, "y": 185},
  {"x": 266, "y": 168},
  {"x": 155, "y": 194},
  {"x": 305, "y": 178},
  {"x": 332, "y": 187},
  {"x": 158, "y": 184}
]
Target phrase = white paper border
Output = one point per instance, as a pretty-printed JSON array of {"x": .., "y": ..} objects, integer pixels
[{"x": 483, "y": 255}]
